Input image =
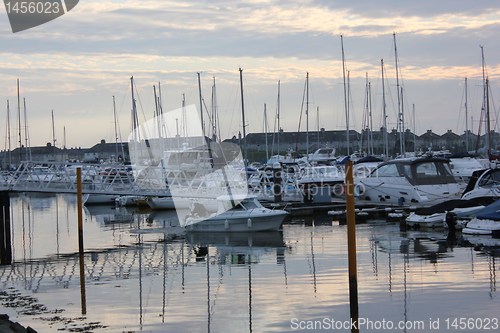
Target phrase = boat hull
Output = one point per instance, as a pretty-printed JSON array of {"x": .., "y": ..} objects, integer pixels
[
  {"x": 229, "y": 222},
  {"x": 438, "y": 220},
  {"x": 426, "y": 221},
  {"x": 478, "y": 226}
]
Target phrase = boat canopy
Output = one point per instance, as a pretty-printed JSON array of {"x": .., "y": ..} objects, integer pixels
[
  {"x": 490, "y": 212},
  {"x": 426, "y": 171}
]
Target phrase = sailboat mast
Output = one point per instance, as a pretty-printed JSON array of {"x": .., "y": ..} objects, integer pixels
[
  {"x": 53, "y": 130},
  {"x": 19, "y": 125},
  {"x": 8, "y": 133},
  {"x": 265, "y": 131},
  {"x": 278, "y": 115},
  {"x": 466, "y": 119},
  {"x": 53, "y": 135},
  {"x": 485, "y": 110},
  {"x": 414, "y": 131},
  {"x": 116, "y": 127},
  {"x": 402, "y": 137},
  {"x": 157, "y": 112},
  {"x": 317, "y": 123},
  {"x": 346, "y": 109},
  {"x": 163, "y": 130},
  {"x": 488, "y": 125},
  {"x": 384, "y": 115},
  {"x": 201, "y": 105},
  {"x": 215, "y": 114},
  {"x": 245, "y": 151},
  {"x": 134, "y": 110},
  {"x": 400, "y": 125},
  {"x": 26, "y": 136},
  {"x": 370, "y": 116},
  {"x": 365, "y": 121},
  {"x": 160, "y": 100},
  {"x": 307, "y": 114}
]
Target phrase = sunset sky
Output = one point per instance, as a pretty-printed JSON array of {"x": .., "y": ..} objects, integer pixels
[{"x": 76, "y": 63}]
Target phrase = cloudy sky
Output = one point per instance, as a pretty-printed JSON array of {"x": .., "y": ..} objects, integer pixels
[{"x": 76, "y": 63}]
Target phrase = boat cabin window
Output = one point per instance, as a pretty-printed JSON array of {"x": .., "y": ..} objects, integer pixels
[
  {"x": 432, "y": 172},
  {"x": 388, "y": 170},
  {"x": 491, "y": 179},
  {"x": 426, "y": 170}
]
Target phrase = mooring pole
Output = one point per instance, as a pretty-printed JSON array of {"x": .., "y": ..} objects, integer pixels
[
  {"x": 83, "y": 297},
  {"x": 5, "y": 238},
  {"x": 351, "y": 246},
  {"x": 277, "y": 186}
]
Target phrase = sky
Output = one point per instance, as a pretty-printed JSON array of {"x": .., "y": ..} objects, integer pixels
[{"x": 75, "y": 64}]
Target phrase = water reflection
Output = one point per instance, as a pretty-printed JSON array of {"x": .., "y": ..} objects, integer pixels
[{"x": 143, "y": 272}]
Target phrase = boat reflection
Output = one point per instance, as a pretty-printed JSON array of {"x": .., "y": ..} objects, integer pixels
[
  {"x": 243, "y": 249},
  {"x": 107, "y": 214},
  {"x": 432, "y": 246},
  {"x": 236, "y": 242}
]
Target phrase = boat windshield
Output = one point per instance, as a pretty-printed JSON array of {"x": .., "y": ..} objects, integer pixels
[
  {"x": 250, "y": 203},
  {"x": 491, "y": 179},
  {"x": 245, "y": 204},
  {"x": 388, "y": 170}
]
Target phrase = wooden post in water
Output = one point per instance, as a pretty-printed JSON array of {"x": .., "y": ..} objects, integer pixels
[
  {"x": 277, "y": 184},
  {"x": 351, "y": 246},
  {"x": 83, "y": 298},
  {"x": 5, "y": 238}
]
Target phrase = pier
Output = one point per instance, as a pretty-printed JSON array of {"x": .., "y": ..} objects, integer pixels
[{"x": 61, "y": 178}]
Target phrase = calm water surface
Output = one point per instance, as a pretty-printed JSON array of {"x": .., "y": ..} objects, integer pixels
[{"x": 143, "y": 274}]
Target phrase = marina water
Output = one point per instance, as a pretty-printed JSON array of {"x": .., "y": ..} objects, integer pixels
[{"x": 144, "y": 274}]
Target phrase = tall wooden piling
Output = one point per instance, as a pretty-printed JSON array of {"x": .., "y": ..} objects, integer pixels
[
  {"x": 351, "y": 245},
  {"x": 5, "y": 230},
  {"x": 79, "y": 201}
]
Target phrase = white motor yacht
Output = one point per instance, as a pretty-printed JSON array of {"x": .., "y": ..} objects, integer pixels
[
  {"x": 236, "y": 213},
  {"x": 410, "y": 181}
]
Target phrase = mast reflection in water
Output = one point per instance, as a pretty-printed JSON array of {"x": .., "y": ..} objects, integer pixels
[{"x": 144, "y": 273}]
